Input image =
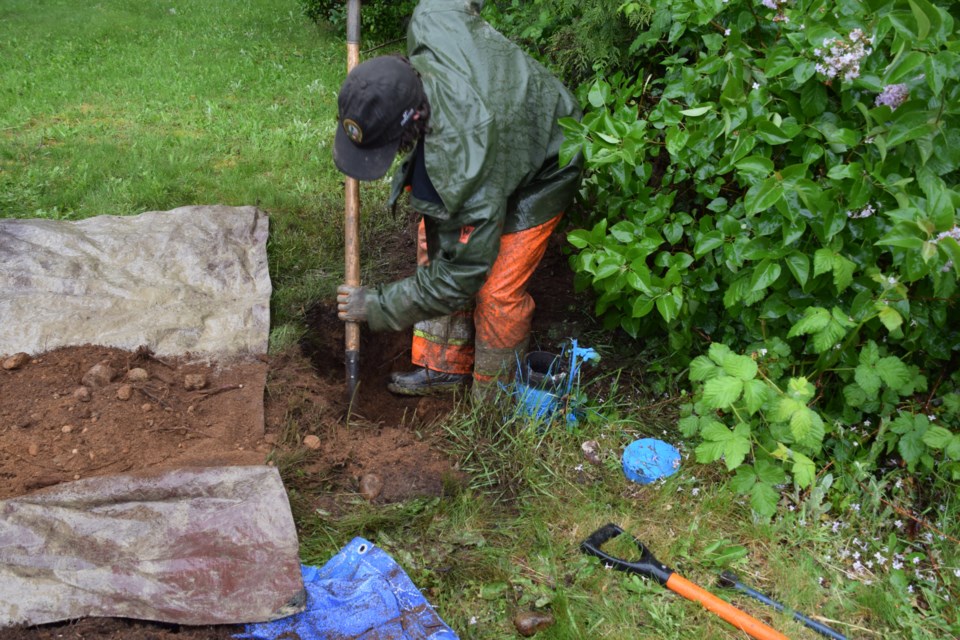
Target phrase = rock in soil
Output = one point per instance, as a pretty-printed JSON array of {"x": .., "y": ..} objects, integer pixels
[
  {"x": 99, "y": 375},
  {"x": 16, "y": 361},
  {"x": 311, "y": 442},
  {"x": 370, "y": 486},
  {"x": 194, "y": 381},
  {"x": 529, "y": 623},
  {"x": 591, "y": 451},
  {"x": 137, "y": 375},
  {"x": 125, "y": 392}
]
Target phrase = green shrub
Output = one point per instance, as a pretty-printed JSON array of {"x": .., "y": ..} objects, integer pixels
[
  {"x": 381, "y": 20},
  {"x": 780, "y": 182},
  {"x": 574, "y": 37}
]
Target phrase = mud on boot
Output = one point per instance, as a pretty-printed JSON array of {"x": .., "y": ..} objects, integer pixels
[{"x": 425, "y": 382}]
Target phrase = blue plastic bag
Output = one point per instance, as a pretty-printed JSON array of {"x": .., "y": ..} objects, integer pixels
[{"x": 360, "y": 594}]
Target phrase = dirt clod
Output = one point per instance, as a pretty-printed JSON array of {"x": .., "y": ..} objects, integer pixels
[
  {"x": 529, "y": 623},
  {"x": 311, "y": 442},
  {"x": 124, "y": 392},
  {"x": 33, "y": 449},
  {"x": 371, "y": 485},
  {"x": 82, "y": 394},
  {"x": 15, "y": 361},
  {"x": 591, "y": 451},
  {"x": 194, "y": 381},
  {"x": 99, "y": 375},
  {"x": 137, "y": 375}
]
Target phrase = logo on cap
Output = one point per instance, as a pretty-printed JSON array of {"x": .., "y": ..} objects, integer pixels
[{"x": 353, "y": 131}]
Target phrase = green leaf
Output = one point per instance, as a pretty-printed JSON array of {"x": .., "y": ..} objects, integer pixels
[
  {"x": 579, "y": 238},
  {"x": 641, "y": 307},
  {"x": 721, "y": 392},
  {"x": 689, "y": 425},
  {"x": 854, "y": 395},
  {"x": 676, "y": 140},
  {"x": 669, "y": 304},
  {"x": 937, "y": 437},
  {"x": 735, "y": 451},
  {"x": 814, "y": 319},
  {"x": 799, "y": 266},
  {"x": 923, "y": 22},
  {"x": 755, "y": 394},
  {"x": 900, "y": 237},
  {"x": 828, "y": 337},
  {"x": 894, "y": 373},
  {"x": 771, "y": 133},
  {"x": 744, "y": 480},
  {"x": 953, "y": 450},
  {"x": 703, "y": 368},
  {"x": 822, "y": 261},
  {"x": 756, "y": 165},
  {"x": 785, "y": 408},
  {"x": 764, "y": 275},
  {"x": 911, "y": 447},
  {"x": 696, "y": 111},
  {"x": 890, "y": 317},
  {"x": 742, "y": 367},
  {"x": 707, "y": 242},
  {"x": 804, "y": 470},
  {"x": 800, "y": 389},
  {"x": 719, "y": 352},
  {"x": 801, "y": 423},
  {"x": 764, "y": 499},
  {"x": 709, "y": 451},
  {"x": 868, "y": 380},
  {"x": 842, "y": 272},
  {"x": 763, "y": 195},
  {"x": 715, "y": 431},
  {"x": 813, "y": 98}
]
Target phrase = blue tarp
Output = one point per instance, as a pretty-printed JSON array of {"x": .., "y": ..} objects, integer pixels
[{"x": 360, "y": 594}]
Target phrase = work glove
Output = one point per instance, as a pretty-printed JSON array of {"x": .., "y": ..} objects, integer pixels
[{"x": 352, "y": 303}]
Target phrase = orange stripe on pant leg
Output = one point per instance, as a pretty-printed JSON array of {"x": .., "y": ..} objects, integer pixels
[{"x": 438, "y": 356}]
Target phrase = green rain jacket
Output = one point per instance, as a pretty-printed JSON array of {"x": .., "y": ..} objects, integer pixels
[{"x": 491, "y": 154}]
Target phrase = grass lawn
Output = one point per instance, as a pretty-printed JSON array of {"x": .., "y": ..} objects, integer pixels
[{"x": 123, "y": 106}]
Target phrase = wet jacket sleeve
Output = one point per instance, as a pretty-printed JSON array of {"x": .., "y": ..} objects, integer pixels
[{"x": 466, "y": 246}]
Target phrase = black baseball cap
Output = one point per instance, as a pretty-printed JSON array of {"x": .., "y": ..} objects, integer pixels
[{"x": 376, "y": 102}]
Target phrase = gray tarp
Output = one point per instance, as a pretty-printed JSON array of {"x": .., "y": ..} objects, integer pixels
[
  {"x": 193, "y": 279},
  {"x": 191, "y": 546}
]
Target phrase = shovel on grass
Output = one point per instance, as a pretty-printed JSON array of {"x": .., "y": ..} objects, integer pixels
[{"x": 649, "y": 566}]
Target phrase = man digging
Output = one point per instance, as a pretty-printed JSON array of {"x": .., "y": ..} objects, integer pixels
[{"x": 478, "y": 121}]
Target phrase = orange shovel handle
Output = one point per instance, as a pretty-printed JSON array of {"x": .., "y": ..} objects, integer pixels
[{"x": 741, "y": 620}]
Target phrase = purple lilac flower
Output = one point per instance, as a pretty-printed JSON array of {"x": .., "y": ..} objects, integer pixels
[
  {"x": 952, "y": 233},
  {"x": 866, "y": 212},
  {"x": 841, "y": 57},
  {"x": 893, "y": 95}
]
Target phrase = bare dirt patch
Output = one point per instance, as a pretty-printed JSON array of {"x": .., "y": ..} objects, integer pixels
[{"x": 247, "y": 413}]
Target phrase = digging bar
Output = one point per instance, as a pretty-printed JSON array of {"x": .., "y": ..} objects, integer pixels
[
  {"x": 649, "y": 566},
  {"x": 730, "y": 580},
  {"x": 351, "y": 223}
]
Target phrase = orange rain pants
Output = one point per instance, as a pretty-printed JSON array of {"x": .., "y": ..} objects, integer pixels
[{"x": 487, "y": 339}]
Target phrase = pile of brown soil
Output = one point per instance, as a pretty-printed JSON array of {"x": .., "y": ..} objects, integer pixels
[{"x": 163, "y": 412}]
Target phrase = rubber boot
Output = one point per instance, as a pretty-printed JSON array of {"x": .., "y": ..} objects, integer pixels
[{"x": 425, "y": 382}]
